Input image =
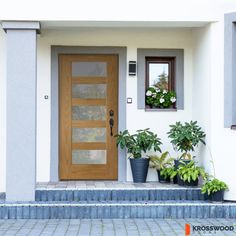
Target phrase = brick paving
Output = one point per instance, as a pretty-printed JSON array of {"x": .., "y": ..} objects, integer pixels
[
  {"x": 109, "y": 227},
  {"x": 104, "y": 185}
]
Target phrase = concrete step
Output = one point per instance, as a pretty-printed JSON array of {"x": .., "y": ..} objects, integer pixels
[
  {"x": 112, "y": 210},
  {"x": 146, "y": 194}
]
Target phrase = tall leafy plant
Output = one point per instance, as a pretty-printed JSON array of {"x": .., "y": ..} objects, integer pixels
[
  {"x": 138, "y": 143},
  {"x": 185, "y": 137}
]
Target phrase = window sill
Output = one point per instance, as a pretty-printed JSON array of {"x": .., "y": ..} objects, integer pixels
[{"x": 163, "y": 109}]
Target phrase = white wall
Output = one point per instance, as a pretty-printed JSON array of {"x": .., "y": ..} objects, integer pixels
[
  {"x": 133, "y": 39},
  {"x": 202, "y": 89},
  {"x": 43, "y": 111},
  {"x": 2, "y": 110},
  {"x": 223, "y": 139},
  {"x": 208, "y": 103},
  {"x": 159, "y": 121},
  {"x": 203, "y": 63}
]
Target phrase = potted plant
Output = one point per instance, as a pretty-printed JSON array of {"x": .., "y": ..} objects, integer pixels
[
  {"x": 185, "y": 137},
  {"x": 168, "y": 173},
  {"x": 214, "y": 189},
  {"x": 189, "y": 173},
  {"x": 160, "y": 98},
  {"x": 160, "y": 163},
  {"x": 137, "y": 145}
]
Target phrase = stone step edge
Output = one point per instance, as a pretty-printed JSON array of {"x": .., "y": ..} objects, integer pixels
[
  {"x": 114, "y": 189},
  {"x": 224, "y": 204},
  {"x": 116, "y": 211}
]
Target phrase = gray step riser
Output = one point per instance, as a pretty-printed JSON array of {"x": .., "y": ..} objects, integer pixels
[
  {"x": 118, "y": 195},
  {"x": 112, "y": 212}
]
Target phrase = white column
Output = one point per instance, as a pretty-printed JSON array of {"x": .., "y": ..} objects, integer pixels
[{"x": 21, "y": 110}]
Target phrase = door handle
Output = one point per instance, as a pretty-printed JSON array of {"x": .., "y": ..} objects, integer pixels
[{"x": 111, "y": 121}]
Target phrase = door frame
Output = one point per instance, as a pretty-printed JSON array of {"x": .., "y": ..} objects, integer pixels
[{"x": 55, "y": 52}]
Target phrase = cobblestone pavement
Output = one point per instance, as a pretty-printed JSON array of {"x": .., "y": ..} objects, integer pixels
[
  {"x": 110, "y": 227},
  {"x": 103, "y": 185}
]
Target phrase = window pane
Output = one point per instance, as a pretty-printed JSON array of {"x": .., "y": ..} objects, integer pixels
[
  {"x": 159, "y": 75},
  {"x": 89, "y": 157},
  {"x": 86, "y": 69},
  {"x": 88, "y": 113},
  {"x": 89, "y": 91},
  {"x": 88, "y": 135}
]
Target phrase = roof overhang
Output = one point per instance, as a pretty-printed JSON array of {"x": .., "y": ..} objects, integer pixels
[{"x": 121, "y": 24}]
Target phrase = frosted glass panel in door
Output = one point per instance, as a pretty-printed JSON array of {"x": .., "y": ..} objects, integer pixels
[
  {"x": 88, "y": 113},
  {"x": 88, "y": 135},
  {"x": 89, "y": 157},
  {"x": 89, "y": 69},
  {"x": 89, "y": 91}
]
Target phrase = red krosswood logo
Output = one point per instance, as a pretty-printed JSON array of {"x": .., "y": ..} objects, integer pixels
[
  {"x": 187, "y": 229},
  {"x": 210, "y": 229}
]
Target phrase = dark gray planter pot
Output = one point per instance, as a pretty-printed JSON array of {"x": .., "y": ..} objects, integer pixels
[
  {"x": 217, "y": 196},
  {"x": 175, "y": 180},
  {"x": 139, "y": 167},
  {"x": 192, "y": 183},
  {"x": 161, "y": 178},
  {"x": 177, "y": 164}
]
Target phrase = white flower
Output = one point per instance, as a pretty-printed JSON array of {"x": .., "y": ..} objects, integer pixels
[
  {"x": 149, "y": 93},
  {"x": 173, "y": 99},
  {"x": 162, "y": 100},
  {"x": 154, "y": 95},
  {"x": 157, "y": 90},
  {"x": 164, "y": 91}
]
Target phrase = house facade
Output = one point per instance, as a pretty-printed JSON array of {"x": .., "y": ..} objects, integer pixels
[{"x": 67, "y": 89}]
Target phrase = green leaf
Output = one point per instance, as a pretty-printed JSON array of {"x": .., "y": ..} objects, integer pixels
[
  {"x": 213, "y": 185},
  {"x": 141, "y": 141},
  {"x": 186, "y": 136}
]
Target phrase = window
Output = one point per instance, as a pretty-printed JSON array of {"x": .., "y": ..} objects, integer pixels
[
  {"x": 160, "y": 72},
  {"x": 175, "y": 73},
  {"x": 160, "y": 82}
]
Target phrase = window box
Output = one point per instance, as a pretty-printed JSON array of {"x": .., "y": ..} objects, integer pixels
[{"x": 150, "y": 109}]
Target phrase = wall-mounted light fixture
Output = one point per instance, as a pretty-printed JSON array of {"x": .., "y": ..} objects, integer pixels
[{"x": 132, "y": 68}]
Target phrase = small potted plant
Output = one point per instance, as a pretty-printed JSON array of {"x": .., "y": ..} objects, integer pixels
[
  {"x": 169, "y": 173},
  {"x": 185, "y": 137},
  {"x": 137, "y": 145},
  {"x": 160, "y": 98},
  {"x": 214, "y": 189},
  {"x": 189, "y": 173},
  {"x": 161, "y": 163}
]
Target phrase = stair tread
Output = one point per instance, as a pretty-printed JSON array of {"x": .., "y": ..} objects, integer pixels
[
  {"x": 114, "y": 188},
  {"x": 119, "y": 203}
]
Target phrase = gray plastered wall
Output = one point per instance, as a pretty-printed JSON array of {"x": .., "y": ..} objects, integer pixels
[
  {"x": 55, "y": 51},
  {"x": 229, "y": 70},
  {"x": 21, "y": 110}
]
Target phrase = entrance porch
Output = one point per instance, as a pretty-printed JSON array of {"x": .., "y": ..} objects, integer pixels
[{"x": 28, "y": 164}]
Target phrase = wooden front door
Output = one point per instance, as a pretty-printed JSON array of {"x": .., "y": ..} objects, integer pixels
[{"x": 88, "y": 109}]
